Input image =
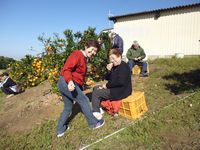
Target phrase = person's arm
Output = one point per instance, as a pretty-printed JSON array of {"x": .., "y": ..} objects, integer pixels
[
  {"x": 120, "y": 44},
  {"x": 129, "y": 54},
  {"x": 114, "y": 43},
  {"x": 70, "y": 66},
  {"x": 107, "y": 76},
  {"x": 121, "y": 78},
  {"x": 142, "y": 54},
  {"x": 109, "y": 68}
]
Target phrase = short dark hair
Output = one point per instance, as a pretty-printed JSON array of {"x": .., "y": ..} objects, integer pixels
[
  {"x": 93, "y": 43},
  {"x": 115, "y": 51}
]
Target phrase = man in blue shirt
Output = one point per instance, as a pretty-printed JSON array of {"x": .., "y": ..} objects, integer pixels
[{"x": 117, "y": 41}]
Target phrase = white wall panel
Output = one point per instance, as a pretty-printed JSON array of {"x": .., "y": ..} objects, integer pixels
[{"x": 175, "y": 31}]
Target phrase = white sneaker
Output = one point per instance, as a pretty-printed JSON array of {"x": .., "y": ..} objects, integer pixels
[
  {"x": 61, "y": 134},
  {"x": 101, "y": 111},
  {"x": 98, "y": 115}
]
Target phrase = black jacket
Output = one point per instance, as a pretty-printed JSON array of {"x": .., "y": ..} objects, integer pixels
[
  {"x": 9, "y": 82},
  {"x": 119, "y": 81}
]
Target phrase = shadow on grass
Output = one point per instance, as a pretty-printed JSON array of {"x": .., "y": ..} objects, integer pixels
[
  {"x": 187, "y": 81},
  {"x": 77, "y": 109}
]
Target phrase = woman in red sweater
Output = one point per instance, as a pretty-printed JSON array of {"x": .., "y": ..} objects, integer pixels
[{"x": 70, "y": 85}]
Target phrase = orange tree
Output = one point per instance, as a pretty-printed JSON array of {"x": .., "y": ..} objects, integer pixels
[
  {"x": 31, "y": 71},
  {"x": 98, "y": 63},
  {"x": 27, "y": 72},
  {"x": 72, "y": 41}
]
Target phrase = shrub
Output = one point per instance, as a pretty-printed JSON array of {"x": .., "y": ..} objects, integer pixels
[
  {"x": 30, "y": 71},
  {"x": 4, "y": 61}
]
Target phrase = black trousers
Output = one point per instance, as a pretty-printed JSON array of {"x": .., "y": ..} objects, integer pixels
[
  {"x": 97, "y": 96},
  {"x": 7, "y": 90}
]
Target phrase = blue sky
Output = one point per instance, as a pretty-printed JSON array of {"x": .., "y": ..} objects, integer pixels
[{"x": 22, "y": 21}]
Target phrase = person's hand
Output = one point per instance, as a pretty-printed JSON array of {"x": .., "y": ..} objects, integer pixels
[
  {"x": 100, "y": 87},
  {"x": 104, "y": 86},
  {"x": 137, "y": 58},
  {"x": 71, "y": 86},
  {"x": 109, "y": 66}
]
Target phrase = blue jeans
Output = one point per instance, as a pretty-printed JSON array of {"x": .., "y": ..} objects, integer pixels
[
  {"x": 132, "y": 63},
  {"x": 68, "y": 98}
]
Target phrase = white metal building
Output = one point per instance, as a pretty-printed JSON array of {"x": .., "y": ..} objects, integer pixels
[{"x": 162, "y": 32}]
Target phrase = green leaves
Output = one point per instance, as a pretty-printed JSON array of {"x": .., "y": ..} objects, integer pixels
[{"x": 30, "y": 71}]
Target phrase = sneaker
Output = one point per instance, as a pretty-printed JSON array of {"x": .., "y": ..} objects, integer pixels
[
  {"x": 99, "y": 124},
  {"x": 144, "y": 75},
  {"x": 101, "y": 111},
  {"x": 61, "y": 134},
  {"x": 97, "y": 115}
]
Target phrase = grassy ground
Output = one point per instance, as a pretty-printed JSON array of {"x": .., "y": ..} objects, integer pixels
[
  {"x": 2, "y": 96},
  {"x": 175, "y": 127}
]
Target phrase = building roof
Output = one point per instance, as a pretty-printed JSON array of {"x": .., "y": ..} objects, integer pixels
[
  {"x": 108, "y": 29},
  {"x": 114, "y": 18}
]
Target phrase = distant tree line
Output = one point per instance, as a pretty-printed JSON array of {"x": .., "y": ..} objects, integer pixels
[{"x": 4, "y": 61}]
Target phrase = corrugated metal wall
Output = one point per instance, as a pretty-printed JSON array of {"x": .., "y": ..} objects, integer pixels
[{"x": 175, "y": 31}]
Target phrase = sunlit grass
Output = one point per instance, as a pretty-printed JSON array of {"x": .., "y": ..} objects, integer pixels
[{"x": 164, "y": 129}]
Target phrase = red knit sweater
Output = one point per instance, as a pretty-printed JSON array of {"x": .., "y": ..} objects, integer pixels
[{"x": 75, "y": 68}]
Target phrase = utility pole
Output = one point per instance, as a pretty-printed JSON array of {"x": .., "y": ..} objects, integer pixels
[{"x": 109, "y": 15}]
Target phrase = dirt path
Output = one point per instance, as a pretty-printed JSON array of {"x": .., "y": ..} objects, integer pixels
[
  {"x": 26, "y": 110},
  {"x": 34, "y": 106}
]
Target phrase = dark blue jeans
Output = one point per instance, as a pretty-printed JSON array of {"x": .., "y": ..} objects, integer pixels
[
  {"x": 132, "y": 63},
  {"x": 68, "y": 98},
  {"x": 7, "y": 90}
]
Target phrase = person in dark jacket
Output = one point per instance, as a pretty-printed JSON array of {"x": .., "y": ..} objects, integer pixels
[
  {"x": 119, "y": 84},
  {"x": 135, "y": 56},
  {"x": 8, "y": 86},
  {"x": 116, "y": 41}
]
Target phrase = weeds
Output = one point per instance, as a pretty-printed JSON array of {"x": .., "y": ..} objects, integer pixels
[{"x": 176, "y": 127}]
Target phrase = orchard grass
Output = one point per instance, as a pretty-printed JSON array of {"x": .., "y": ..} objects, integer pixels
[
  {"x": 173, "y": 127},
  {"x": 2, "y": 96}
]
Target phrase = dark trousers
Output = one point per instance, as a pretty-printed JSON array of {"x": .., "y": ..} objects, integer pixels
[
  {"x": 97, "y": 96},
  {"x": 7, "y": 90},
  {"x": 132, "y": 63}
]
